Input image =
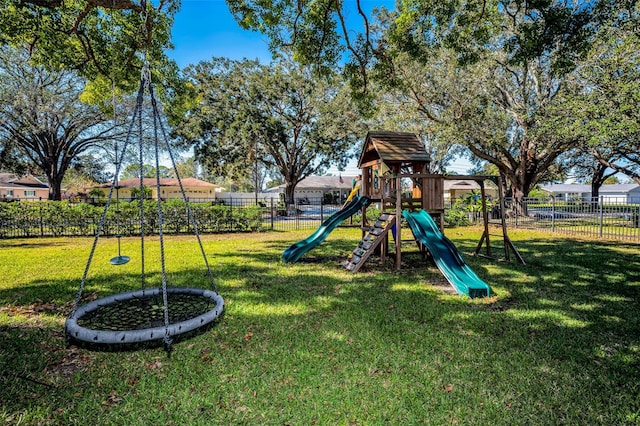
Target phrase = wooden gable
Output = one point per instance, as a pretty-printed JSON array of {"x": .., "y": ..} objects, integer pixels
[{"x": 392, "y": 148}]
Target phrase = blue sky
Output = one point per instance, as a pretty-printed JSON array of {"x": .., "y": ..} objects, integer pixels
[{"x": 205, "y": 28}]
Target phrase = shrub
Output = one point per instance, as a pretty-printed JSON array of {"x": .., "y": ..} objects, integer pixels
[
  {"x": 372, "y": 214},
  {"x": 59, "y": 218},
  {"x": 456, "y": 216}
]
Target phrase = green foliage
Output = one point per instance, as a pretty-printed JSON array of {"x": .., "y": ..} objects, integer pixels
[
  {"x": 279, "y": 116},
  {"x": 54, "y": 218},
  {"x": 538, "y": 193},
  {"x": 372, "y": 214},
  {"x": 601, "y": 104},
  {"x": 61, "y": 218},
  {"x": 97, "y": 39},
  {"x": 474, "y": 72},
  {"x": 45, "y": 123},
  {"x": 96, "y": 193},
  {"x": 458, "y": 214},
  {"x": 310, "y": 29},
  {"x": 145, "y": 192},
  {"x": 133, "y": 171}
]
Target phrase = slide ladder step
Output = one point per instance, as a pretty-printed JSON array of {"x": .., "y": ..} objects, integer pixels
[{"x": 371, "y": 240}]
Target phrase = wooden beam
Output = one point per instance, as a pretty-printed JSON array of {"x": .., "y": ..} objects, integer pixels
[{"x": 398, "y": 222}]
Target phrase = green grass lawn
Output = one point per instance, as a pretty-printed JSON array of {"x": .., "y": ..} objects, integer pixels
[{"x": 310, "y": 343}]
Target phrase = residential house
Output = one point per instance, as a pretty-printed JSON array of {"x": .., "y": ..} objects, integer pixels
[
  {"x": 454, "y": 189},
  {"x": 22, "y": 188},
  {"x": 334, "y": 189},
  {"x": 195, "y": 189},
  {"x": 626, "y": 193}
]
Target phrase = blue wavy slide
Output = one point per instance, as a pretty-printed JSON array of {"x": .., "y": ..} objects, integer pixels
[
  {"x": 295, "y": 251},
  {"x": 447, "y": 257}
]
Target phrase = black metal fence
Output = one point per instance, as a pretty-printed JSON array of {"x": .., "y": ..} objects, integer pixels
[
  {"x": 62, "y": 218},
  {"x": 596, "y": 218}
]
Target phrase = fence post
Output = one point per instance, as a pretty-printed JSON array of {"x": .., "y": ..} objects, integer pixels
[
  {"x": 272, "y": 213},
  {"x": 601, "y": 215},
  {"x": 321, "y": 210},
  {"x": 41, "y": 218},
  {"x": 553, "y": 213}
]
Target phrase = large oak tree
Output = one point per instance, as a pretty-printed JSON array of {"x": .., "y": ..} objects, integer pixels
[
  {"x": 490, "y": 68},
  {"x": 279, "y": 115},
  {"x": 602, "y": 106},
  {"x": 43, "y": 120}
]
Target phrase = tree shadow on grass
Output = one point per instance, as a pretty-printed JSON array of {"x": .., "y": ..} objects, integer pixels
[
  {"x": 576, "y": 302},
  {"x": 571, "y": 316}
]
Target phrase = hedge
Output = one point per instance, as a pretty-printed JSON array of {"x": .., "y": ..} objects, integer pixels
[{"x": 61, "y": 218}]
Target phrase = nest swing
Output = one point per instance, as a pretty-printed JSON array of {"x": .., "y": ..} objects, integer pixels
[{"x": 147, "y": 314}]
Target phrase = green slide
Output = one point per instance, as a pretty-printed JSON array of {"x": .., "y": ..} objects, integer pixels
[
  {"x": 446, "y": 255},
  {"x": 295, "y": 251}
]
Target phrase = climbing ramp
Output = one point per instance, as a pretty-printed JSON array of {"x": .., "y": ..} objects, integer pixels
[{"x": 371, "y": 240}]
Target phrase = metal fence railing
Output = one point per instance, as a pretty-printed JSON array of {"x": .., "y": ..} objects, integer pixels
[
  {"x": 62, "y": 218},
  {"x": 596, "y": 218}
]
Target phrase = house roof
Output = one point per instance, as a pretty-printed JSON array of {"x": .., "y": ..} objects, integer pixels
[
  {"x": 622, "y": 188},
  {"x": 468, "y": 185},
  {"x": 565, "y": 188},
  {"x": 322, "y": 182},
  {"x": 393, "y": 147},
  {"x": 10, "y": 180},
  {"x": 151, "y": 182},
  {"x": 461, "y": 184}
]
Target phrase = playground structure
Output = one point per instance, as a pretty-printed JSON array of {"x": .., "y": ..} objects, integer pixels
[{"x": 395, "y": 178}]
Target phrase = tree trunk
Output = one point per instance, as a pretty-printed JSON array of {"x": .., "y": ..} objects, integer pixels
[
  {"x": 517, "y": 187},
  {"x": 55, "y": 187},
  {"x": 597, "y": 179},
  {"x": 519, "y": 207},
  {"x": 289, "y": 191}
]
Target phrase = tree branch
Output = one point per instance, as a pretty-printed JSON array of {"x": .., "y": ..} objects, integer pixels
[{"x": 362, "y": 64}]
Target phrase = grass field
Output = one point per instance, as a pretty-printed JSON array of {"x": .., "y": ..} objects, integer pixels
[{"x": 309, "y": 343}]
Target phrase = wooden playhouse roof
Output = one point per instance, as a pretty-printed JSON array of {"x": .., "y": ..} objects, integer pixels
[{"x": 392, "y": 147}]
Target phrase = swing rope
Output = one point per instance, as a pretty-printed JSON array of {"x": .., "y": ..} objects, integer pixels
[
  {"x": 121, "y": 318},
  {"x": 119, "y": 260},
  {"x": 156, "y": 122},
  {"x": 141, "y": 194},
  {"x": 191, "y": 216},
  {"x": 103, "y": 216}
]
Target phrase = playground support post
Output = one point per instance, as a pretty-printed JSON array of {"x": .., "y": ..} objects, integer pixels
[
  {"x": 504, "y": 223},
  {"x": 485, "y": 215},
  {"x": 398, "y": 223},
  {"x": 508, "y": 244}
]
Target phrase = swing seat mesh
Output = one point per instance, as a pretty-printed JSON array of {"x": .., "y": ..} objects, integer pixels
[{"x": 138, "y": 316}]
